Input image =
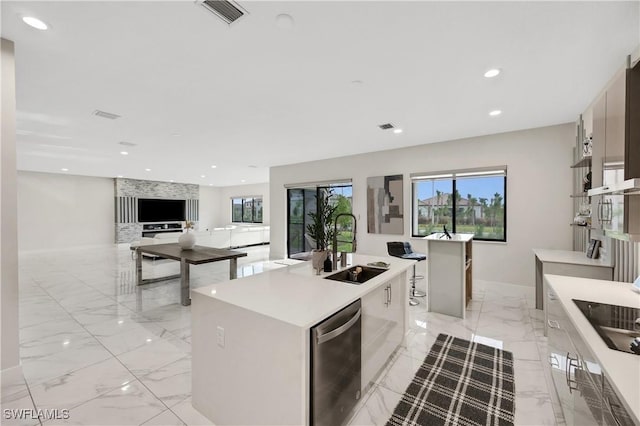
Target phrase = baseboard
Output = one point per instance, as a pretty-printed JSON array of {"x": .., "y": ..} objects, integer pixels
[{"x": 12, "y": 380}]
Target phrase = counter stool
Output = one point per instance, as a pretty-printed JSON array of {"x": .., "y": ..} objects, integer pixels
[{"x": 403, "y": 250}]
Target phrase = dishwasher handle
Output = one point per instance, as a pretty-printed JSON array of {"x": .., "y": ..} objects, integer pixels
[{"x": 322, "y": 338}]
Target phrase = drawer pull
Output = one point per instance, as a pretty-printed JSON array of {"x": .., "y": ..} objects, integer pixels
[
  {"x": 553, "y": 324},
  {"x": 575, "y": 363}
]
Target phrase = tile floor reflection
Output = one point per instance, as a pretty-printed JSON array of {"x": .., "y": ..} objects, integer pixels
[{"x": 94, "y": 343}]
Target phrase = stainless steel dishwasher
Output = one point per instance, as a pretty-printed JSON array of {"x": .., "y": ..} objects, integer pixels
[{"x": 335, "y": 366}]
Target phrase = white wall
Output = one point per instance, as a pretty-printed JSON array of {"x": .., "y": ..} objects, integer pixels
[
  {"x": 10, "y": 355},
  {"x": 539, "y": 182},
  {"x": 223, "y": 214},
  {"x": 209, "y": 207},
  {"x": 58, "y": 211}
]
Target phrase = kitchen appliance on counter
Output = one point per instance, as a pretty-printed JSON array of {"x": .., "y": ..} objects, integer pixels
[
  {"x": 619, "y": 326},
  {"x": 336, "y": 361}
]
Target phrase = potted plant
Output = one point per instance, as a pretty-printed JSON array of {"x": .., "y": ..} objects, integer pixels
[{"x": 321, "y": 228}]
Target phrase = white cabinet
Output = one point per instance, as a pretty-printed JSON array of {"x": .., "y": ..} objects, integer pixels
[
  {"x": 383, "y": 325},
  {"x": 583, "y": 392},
  {"x": 450, "y": 273}
]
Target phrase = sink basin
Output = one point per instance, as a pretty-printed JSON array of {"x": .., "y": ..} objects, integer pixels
[
  {"x": 616, "y": 325},
  {"x": 347, "y": 275}
]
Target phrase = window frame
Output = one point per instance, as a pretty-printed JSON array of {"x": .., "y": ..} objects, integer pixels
[
  {"x": 453, "y": 176},
  {"x": 243, "y": 201}
]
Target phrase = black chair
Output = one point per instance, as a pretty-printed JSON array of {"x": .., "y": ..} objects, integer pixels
[{"x": 403, "y": 250}]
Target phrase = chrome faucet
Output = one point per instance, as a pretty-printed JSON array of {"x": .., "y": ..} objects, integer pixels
[{"x": 335, "y": 239}]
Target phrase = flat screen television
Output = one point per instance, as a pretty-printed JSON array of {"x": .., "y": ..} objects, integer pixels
[{"x": 160, "y": 210}]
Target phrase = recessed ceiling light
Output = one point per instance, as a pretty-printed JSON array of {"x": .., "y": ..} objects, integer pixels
[
  {"x": 147, "y": 170},
  {"x": 493, "y": 72},
  {"x": 124, "y": 153},
  {"x": 495, "y": 113},
  {"x": 34, "y": 22},
  {"x": 203, "y": 176},
  {"x": 213, "y": 167},
  {"x": 210, "y": 184},
  {"x": 243, "y": 180},
  {"x": 172, "y": 180},
  {"x": 396, "y": 131},
  {"x": 119, "y": 176},
  {"x": 64, "y": 169}
]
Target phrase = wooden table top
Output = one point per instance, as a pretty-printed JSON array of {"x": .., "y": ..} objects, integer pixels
[{"x": 195, "y": 256}]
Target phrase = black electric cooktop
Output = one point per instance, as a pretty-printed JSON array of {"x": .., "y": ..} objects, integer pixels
[{"x": 617, "y": 325}]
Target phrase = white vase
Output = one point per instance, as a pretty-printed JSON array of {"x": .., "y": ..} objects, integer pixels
[
  {"x": 187, "y": 240},
  {"x": 317, "y": 258}
]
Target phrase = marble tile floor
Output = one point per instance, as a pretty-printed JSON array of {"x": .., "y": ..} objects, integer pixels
[{"x": 110, "y": 353}]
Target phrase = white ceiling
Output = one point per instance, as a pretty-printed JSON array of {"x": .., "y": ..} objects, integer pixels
[{"x": 194, "y": 92}]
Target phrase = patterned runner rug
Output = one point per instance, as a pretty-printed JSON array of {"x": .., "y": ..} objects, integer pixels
[{"x": 459, "y": 383}]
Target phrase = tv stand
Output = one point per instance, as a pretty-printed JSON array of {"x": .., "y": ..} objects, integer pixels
[{"x": 151, "y": 229}]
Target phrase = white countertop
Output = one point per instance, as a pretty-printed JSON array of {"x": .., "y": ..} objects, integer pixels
[
  {"x": 455, "y": 238},
  {"x": 570, "y": 257},
  {"x": 622, "y": 369},
  {"x": 296, "y": 295}
]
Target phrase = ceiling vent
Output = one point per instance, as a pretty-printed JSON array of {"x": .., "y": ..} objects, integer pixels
[
  {"x": 226, "y": 10},
  {"x": 103, "y": 114},
  {"x": 386, "y": 126}
]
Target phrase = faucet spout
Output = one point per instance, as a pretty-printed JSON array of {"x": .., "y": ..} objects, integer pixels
[{"x": 334, "y": 248}]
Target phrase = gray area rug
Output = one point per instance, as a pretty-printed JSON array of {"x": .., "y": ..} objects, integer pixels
[{"x": 459, "y": 383}]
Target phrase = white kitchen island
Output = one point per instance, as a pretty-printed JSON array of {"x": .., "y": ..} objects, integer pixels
[
  {"x": 450, "y": 274},
  {"x": 251, "y": 338}
]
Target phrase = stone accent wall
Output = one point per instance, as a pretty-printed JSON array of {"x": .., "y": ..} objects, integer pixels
[
  {"x": 128, "y": 230},
  {"x": 152, "y": 189}
]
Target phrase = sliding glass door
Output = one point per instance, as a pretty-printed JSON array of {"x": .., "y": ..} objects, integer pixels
[{"x": 301, "y": 202}]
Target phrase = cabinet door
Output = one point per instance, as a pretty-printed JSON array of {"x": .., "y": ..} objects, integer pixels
[
  {"x": 558, "y": 347},
  {"x": 376, "y": 329},
  {"x": 587, "y": 400},
  {"x": 614, "y": 411},
  {"x": 586, "y": 381},
  {"x": 615, "y": 124},
  {"x": 395, "y": 313},
  {"x": 599, "y": 116}
]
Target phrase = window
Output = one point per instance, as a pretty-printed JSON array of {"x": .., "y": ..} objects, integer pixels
[
  {"x": 472, "y": 201},
  {"x": 246, "y": 210}
]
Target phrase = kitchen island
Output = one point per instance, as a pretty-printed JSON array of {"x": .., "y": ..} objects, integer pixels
[
  {"x": 580, "y": 359},
  {"x": 251, "y": 338},
  {"x": 450, "y": 277}
]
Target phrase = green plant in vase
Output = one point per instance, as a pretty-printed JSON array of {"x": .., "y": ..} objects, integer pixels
[{"x": 321, "y": 228}]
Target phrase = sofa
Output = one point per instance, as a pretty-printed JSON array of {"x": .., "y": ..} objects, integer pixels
[{"x": 231, "y": 236}]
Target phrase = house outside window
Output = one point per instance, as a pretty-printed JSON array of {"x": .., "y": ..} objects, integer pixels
[
  {"x": 468, "y": 201},
  {"x": 246, "y": 210}
]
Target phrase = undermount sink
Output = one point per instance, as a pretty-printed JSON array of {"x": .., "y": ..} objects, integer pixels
[
  {"x": 349, "y": 276},
  {"x": 618, "y": 326}
]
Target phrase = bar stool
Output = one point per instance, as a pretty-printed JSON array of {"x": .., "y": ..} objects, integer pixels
[{"x": 403, "y": 250}]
